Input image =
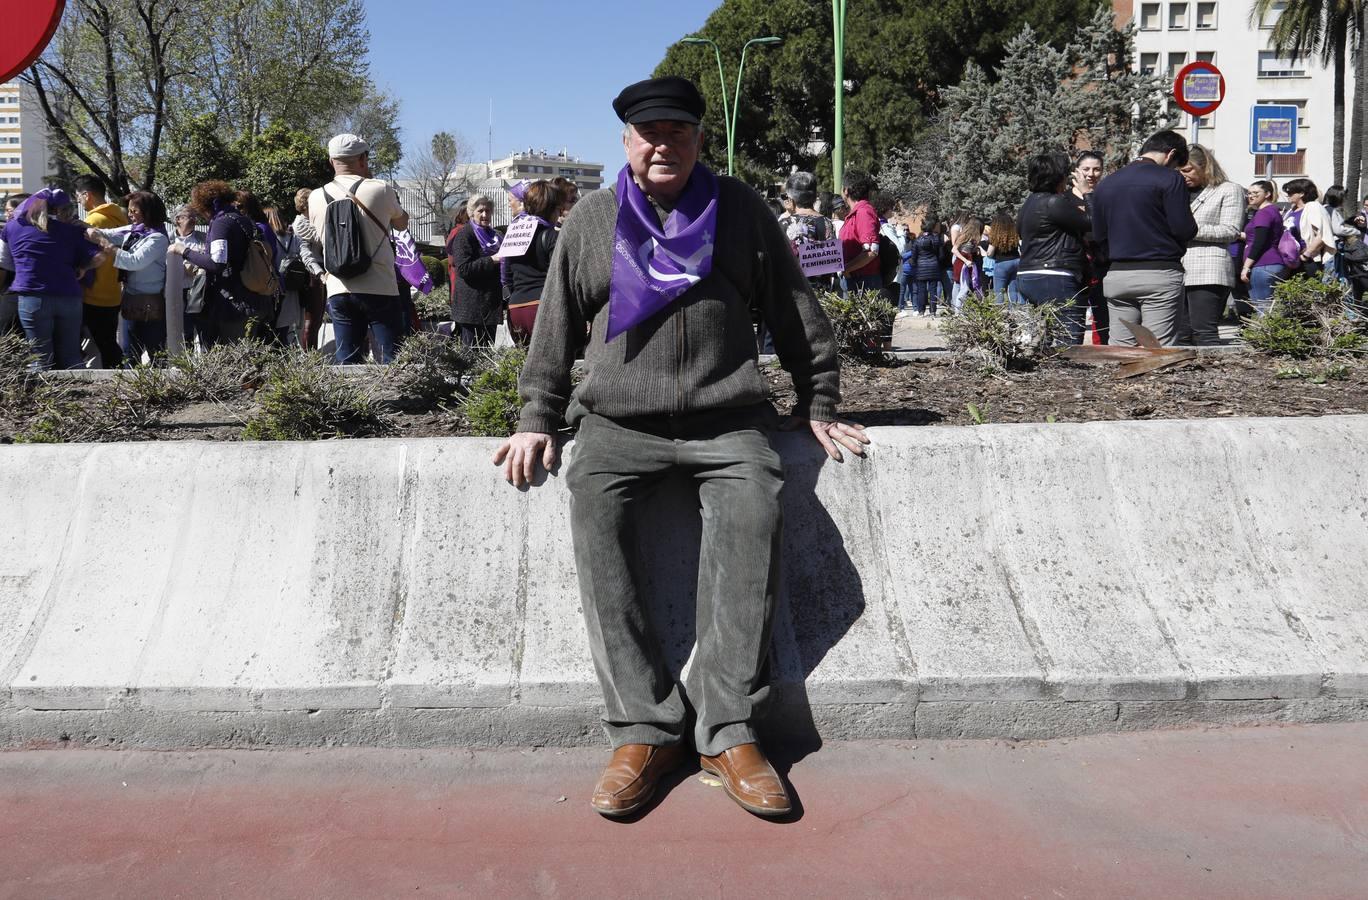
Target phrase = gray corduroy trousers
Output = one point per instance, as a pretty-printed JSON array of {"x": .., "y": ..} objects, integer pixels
[{"x": 613, "y": 472}]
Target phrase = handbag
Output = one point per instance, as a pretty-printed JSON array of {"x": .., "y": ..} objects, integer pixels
[{"x": 142, "y": 307}]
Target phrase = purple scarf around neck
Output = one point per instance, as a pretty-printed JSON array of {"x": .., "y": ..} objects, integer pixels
[
  {"x": 488, "y": 239},
  {"x": 652, "y": 266}
]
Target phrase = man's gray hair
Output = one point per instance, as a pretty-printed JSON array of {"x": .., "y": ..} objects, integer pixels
[
  {"x": 627, "y": 129},
  {"x": 478, "y": 200},
  {"x": 801, "y": 188}
]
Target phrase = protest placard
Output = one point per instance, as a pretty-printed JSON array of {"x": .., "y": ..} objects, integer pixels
[
  {"x": 821, "y": 257},
  {"x": 519, "y": 238}
]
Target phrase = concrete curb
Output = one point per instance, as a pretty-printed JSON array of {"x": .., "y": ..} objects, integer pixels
[{"x": 1022, "y": 581}]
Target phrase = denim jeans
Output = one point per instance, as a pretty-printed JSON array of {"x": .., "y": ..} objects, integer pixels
[
  {"x": 614, "y": 473},
  {"x": 353, "y": 314},
  {"x": 53, "y": 327},
  {"x": 925, "y": 290},
  {"x": 1038, "y": 289},
  {"x": 137, "y": 337},
  {"x": 864, "y": 283},
  {"x": 905, "y": 294},
  {"x": 1261, "y": 282},
  {"x": 1005, "y": 279}
]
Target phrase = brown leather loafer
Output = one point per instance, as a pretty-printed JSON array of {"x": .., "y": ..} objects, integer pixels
[
  {"x": 750, "y": 780},
  {"x": 631, "y": 776}
]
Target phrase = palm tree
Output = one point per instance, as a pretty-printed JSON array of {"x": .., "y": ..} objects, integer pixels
[{"x": 1327, "y": 29}]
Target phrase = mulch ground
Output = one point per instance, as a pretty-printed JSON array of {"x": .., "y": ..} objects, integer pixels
[
  {"x": 928, "y": 392},
  {"x": 940, "y": 392}
]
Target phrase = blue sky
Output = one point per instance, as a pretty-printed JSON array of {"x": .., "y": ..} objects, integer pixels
[{"x": 552, "y": 82}]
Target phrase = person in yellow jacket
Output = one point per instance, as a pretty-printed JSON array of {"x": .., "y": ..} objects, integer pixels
[{"x": 102, "y": 298}]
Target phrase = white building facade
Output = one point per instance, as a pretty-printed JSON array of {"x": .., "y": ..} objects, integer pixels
[
  {"x": 24, "y": 159},
  {"x": 1173, "y": 33}
]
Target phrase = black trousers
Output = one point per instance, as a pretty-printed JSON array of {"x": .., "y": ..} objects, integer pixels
[
  {"x": 9, "y": 315},
  {"x": 103, "y": 324},
  {"x": 1206, "y": 305}
]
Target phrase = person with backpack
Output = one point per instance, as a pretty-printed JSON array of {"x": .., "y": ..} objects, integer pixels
[
  {"x": 1264, "y": 265},
  {"x": 353, "y": 215},
  {"x": 237, "y": 302}
]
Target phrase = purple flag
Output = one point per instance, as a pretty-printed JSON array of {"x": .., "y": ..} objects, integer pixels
[
  {"x": 652, "y": 266},
  {"x": 409, "y": 263}
]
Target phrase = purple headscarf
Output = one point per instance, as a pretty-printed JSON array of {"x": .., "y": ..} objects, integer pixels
[
  {"x": 519, "y": 189},
  {"x": 55, "y": 198},
  {"x": 652, "y": 266}
]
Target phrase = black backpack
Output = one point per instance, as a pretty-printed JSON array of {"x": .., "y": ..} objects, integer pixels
[{"x": 344, "y": 238}]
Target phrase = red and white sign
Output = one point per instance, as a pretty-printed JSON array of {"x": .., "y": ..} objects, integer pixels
[
  {"x": 29, "y": 26},
  {"x": 1199, "y": 88}
]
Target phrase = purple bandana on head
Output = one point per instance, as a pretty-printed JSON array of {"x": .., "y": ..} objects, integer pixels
[
  {"x": 55, "y": 198},
  {"x": 652, "y": 266},
  {"x": 488, "y": 238},
  {"x": 519, "y": 190}
]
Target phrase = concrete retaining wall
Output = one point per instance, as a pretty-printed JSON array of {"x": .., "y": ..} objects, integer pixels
[{"x": 1010, "y": 581}]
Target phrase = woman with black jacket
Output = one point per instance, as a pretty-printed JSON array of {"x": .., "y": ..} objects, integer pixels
[
  {"x": 232, "y": 311},
  {"x": 527, "y": 273},
  {"x": 477, "y": 305},
  {"x": 1052, "y": 224}
]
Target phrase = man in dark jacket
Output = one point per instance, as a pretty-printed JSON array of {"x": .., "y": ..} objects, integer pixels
[
  {"x": 663, "y": 271},
  {"x": 1142, "y": 220}
]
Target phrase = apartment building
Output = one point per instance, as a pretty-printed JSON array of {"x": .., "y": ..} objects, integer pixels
[
  {"x": 1173, "y": 33},
  {"x": 23, "y": 141},
  {"x": 533, "y": 164}
]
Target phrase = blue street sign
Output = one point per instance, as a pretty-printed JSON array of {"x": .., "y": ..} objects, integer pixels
[{"x": 1273, "y": 130}]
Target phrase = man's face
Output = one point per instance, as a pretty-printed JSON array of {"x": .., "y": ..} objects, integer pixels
[
  {"x": 663, "y": 154},
  {"x": 184, "y": 225},
  {"x": 87, "y": 200}
]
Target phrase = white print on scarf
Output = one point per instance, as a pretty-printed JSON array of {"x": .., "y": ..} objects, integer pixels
[{"x": 690, "y": 265}]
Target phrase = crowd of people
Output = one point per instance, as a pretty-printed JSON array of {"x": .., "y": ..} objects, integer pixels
[{"x": 1168, "y": 242}]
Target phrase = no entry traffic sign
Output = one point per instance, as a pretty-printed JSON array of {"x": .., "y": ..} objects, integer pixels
[
  {"x": 1199, "y": 88},
  {"x": 28, "y": 28}
]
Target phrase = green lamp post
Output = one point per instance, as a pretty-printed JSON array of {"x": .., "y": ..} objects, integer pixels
[
  {"x": 729, "y": 112},
  {"x": 838, "y": 17}
]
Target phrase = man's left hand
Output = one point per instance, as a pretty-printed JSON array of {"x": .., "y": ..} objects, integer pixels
[{"x": 834, "y": 435}]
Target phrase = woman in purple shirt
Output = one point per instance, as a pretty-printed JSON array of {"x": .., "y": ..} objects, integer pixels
[
  {"x": 1263, "y": 265},
  {"x": 48, "y": 255}
]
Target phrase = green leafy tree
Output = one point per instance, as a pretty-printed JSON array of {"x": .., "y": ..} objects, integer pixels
[
  {"x": 898, "y": 53},
  {"x": 1081, "y": 96},
  {"x": 279, "y": 162},
  {"x": 375, "y": 118},
  {"x": 196, "y": 153}
]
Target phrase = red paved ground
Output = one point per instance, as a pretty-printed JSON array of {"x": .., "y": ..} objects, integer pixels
[{"x": 1272, "y": 812}]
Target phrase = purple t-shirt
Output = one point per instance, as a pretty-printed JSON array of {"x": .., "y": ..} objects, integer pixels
[
  {"x": 45, "y": 262},
  {"x": 1270, "y": 218}
]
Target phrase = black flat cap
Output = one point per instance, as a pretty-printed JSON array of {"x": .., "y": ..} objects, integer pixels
[{"x": 674, "y": 99}]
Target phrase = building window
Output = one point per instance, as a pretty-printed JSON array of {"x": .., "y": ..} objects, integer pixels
[
  {"x": 1271, "y": 17},
  {"x": 1178, "y": 17},
  {"x": 1149, "y": 63},
  {"x": 1149, "y": 17},
  {"x": 1299, "y": 104},
  {"x": 1271, "y": 65},
  {"x": 1283, "y": 163},
  {"x": 1206, "y": 16},
  {"x": 1176, "y": 61},
  {"x": 1206, "y": 56}
]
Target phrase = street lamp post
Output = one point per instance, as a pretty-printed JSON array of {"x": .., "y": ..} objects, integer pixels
[
  {"x": 838, "y": 17},
  {"x": 729, "y": 112}
]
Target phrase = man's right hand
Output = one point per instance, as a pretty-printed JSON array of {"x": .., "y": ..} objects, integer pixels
[{"x": 518, "y": 456}]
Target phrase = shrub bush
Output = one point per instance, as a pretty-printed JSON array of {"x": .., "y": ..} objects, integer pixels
[
  {"x": 1003, "y": 335},
  {"x": 436, "y": 269},
  {"x": 435, "y": 306},
  {"x": 1308, "y": 318},
  {"x": 305, "y": 398},
  {"x": 492, "y": 404},
  {"x": 427, "y": 371},
  {"x": 861, "y": 321}
]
